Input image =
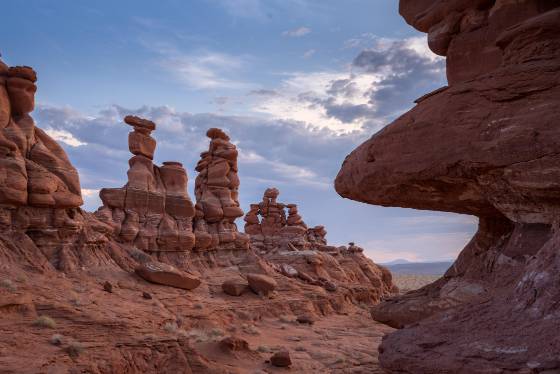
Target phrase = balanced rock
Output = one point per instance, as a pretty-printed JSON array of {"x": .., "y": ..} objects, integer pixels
[
  {"x": 281, "y": 359},
  {"x": 153, "y": 211},
  {"x": 261, "y": 284},
  {"x": 234, "y": 287},
  {"x": 161, "y": 273},
  {"x": 486, "y": 145}
]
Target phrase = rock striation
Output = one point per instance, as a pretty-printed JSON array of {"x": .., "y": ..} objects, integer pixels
[
  {"x": 153, "y": 211},
  {"x": 216, "y": 190},
  {"x": 486, "y": 145}
]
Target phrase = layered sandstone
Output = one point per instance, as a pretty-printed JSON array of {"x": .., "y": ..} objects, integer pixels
[
  {"x": 36, "y": 170},
  {"x": 487, "y": 145},
  {"x": 216, "y": 190},
  {"x": 153, "y": 211}
]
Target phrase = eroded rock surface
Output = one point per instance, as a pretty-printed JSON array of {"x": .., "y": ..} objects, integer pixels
[
  {"x": 216, "y": 190},
  {"x": 488, "y": 145},
  {"x": 70, "y": 300},
  {"x": 279, "y": 234},
  {"x": 153, "y": 211}
]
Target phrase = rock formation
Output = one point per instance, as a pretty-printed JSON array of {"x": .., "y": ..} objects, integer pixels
[
  {"x": 270, "y": 228},
  {"x": 303, "y": 253},
  {"x": 121, "y": 291},
  {"x": 36, "y": 170},
  {"x": 486, "y": 145},
  {"x": 153, "y": 211},
  {"x": 217, "y": 204}
]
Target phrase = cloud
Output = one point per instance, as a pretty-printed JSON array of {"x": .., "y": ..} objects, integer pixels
[
  {"x": 207, "y": 70},
  {"x": 64, "y": 137},
  {"x": 276, "y": 151},
  {"x": 297, "y": 33},
  {"x": 381, "y": 82},
  {"x": 309, "y": 53}
]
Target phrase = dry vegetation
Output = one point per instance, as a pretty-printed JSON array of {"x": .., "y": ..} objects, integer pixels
[{"x": 409, "y": 282}]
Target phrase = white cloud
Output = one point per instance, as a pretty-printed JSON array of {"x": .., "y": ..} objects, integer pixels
[
  {"x": 299, "y": 95},
  {"x": 65, "y": 137},
  {"x": 207, "y": 70},
  {"x": 297, "y": 33},
  {"x": 88, "y": 192},
  {"x": 381, "y": 83},
  {"x": 309, "y": 53},
  {"x": 283, "y": 171}
]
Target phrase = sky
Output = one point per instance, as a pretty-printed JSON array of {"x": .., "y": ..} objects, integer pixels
[{"x": 298, "y": 84}]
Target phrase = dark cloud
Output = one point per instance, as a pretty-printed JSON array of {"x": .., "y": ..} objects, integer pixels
[{"x": 407, "y": 74}]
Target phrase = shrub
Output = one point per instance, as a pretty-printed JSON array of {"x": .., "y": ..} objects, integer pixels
[
  {"x": 74, "y": 349},
  {"x": 170, "y": 327},
  {"x": 264, "y": 349},
  {"x": 45, "y": 321},
  {"x": 56, "y": 339},
  {"x": 8, "y": 284}
]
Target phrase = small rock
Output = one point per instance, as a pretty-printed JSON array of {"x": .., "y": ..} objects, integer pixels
[
  {"x": 288, "y": 270},
  {"x": 232, "y": 343},
  {"x": 234, "y": 288},
  {"x": 261, "y": 284},
  {"x": 330, "y": 286},
  {"x": 281, "y": 359},
  {"x": 305, "y": 319},
  {"x": 108, "y": 287},
  {"x": 146, "y": 296},
  {"x": 158, "y": 272}
]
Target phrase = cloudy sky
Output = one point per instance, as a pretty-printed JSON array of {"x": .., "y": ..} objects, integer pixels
[{"x": 297, "y": 84}]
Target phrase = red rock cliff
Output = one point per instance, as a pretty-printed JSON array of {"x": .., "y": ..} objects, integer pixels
[{"x": 487, "y": 145}]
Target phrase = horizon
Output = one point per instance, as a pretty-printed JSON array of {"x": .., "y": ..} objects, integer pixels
[{"x": 295, "y": 94}]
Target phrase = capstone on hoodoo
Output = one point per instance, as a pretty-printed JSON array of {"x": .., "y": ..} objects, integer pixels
[{"x": 153, "y": 211}]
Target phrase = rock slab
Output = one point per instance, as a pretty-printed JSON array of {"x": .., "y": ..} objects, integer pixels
[{"x": 161, "y": 273}]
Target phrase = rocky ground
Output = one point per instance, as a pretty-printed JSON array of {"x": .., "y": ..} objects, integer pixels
[
  {"x": 409, "y": 282},
  {"x": 57, "y": 323}
]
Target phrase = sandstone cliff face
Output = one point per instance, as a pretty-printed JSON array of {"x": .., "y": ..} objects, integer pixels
[{"x": 487, "y": 145}]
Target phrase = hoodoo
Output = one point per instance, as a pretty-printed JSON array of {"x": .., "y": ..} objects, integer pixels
[
  {"x": 153, "y": 211},
  {"x": 150, "y": 282},
  {"x": 486, "y": 145},
  {"x": 217, "y": 204}
]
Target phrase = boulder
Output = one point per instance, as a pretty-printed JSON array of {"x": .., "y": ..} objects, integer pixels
[
  {"x": 160, "y": 273},
  {"x": 261, "y": 284},
  {"x": 281, "y": 359},
  {"x": 234, "y": 287},
  {"x": 234, "y": 344}
]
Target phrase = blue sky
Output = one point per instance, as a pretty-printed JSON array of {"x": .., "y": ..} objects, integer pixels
[{"x": 297, "y": 83}]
